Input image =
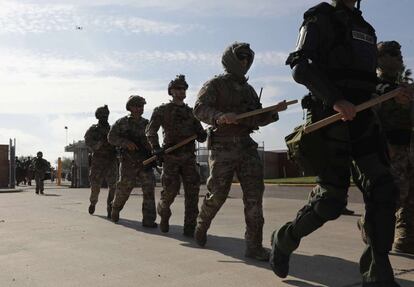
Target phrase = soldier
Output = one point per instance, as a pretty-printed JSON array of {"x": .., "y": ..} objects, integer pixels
[
  {"x": 335, "y": 59},
  {"x": 73, "y": 174},
  {"x": 104, "y": 164},
  {"x": 397, "y": 125},
  {"x": 232, "y": 149},
  {"x": 128, "y": 133},
  {"x": 178, "y": 123},
  {"x": 39, "y": 166}
]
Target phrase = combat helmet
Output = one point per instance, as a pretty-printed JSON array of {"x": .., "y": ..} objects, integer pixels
[
  {"x": 392, "y": 48},
  {"x": 102, "y": 112},
  {"x": 39, "y": 154},
  {"x": 135, "y": 100},
  {"x": 178, "y": 82},
  {"x": 358, "y": 3}
]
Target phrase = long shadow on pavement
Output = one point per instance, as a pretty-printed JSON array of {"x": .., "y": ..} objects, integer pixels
[
  {"x": 327, "y": 271},
  {"x": 319, "y": 269}
]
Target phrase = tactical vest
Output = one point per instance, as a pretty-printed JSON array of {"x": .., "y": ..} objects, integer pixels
[
  {"x": 348, "y": 54},
  {"x": 234, "y": 97}
]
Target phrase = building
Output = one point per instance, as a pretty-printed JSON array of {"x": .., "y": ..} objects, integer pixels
[{"x": 81, "y": 158}]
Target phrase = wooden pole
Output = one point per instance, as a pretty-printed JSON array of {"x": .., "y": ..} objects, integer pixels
[
  {"x": 240, "y": 116},
  {"x": 366, "y": 105}
]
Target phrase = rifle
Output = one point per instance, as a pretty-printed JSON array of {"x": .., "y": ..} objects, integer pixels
[
  {"x": 366, "y": 105},
  {"x": 238, "y": 117}
]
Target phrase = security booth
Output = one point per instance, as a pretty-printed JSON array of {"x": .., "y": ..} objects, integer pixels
[
  {"x": 80, "y": 151},
  {"x": 8, "y": 165}
]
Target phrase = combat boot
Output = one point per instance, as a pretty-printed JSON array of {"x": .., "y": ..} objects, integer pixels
[
  {"x": 188, "y": 231},
  {"x": 149, "y": 224},
  {"x": 115, "y": 215},
  {"x": 258, "y": 253},
  {"x": 91, "y": 209},
  {"x": 200, "y": 236},
  {"x": 164, "y": 222},
  {"x": 279, "y": 262}
]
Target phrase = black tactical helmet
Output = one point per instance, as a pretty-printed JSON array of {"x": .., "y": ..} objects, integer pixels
[
  {"x": 102, "y": 112},
  {"x": 178, "y": 82},
  {"x": 358, "y": 3},
  {"x": 39, "y": 154},
  {"x": 135, "y": 100},
  {"x": 392, "y": 48}
]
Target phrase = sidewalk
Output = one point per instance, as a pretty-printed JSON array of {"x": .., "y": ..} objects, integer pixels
[{"x": 52, "y": 241}]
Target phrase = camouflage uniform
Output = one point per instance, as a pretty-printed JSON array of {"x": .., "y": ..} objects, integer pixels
[
  {"x": 178, "y": 123},
  {"x": 124, "y": 131},
  {"x": 232, "y": 149},
  {"x": 104, "y": 164},
  {"x": 396, "y": 122},
  {"x": 39, "y": 166},
  {"x": 336, "y": 59}
]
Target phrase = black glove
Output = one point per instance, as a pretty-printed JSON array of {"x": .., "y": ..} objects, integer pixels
[
  {"x": 159, "y": 153},
  {"x": 202, "y": 136}
]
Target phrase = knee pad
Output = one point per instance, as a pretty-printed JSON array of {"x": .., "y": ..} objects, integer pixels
[{"x": 328, "y": 209}]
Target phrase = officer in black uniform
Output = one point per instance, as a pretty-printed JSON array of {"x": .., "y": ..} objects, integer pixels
[{"x": 336, "y": 59}]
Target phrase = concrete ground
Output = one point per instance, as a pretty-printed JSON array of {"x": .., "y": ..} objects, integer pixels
[{"x": 52, "y": 241}]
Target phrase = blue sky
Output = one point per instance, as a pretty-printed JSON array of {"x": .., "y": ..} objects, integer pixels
[{"x": 54, "y": 75}]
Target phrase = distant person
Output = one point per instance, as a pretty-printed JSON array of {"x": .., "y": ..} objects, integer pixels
[
  {"x": 104, "y": 164},
  {"x": 73, "y": 174},
  {"x": 39, "y": 166}
]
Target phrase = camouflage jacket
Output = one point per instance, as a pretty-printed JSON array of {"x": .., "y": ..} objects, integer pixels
[
  {"x": 96, "y": 138},
  {"x": 129, "y": 130},
  {"x": 226, "y": 94},
  {"x": 178, "y": 123},
  {"x": 39, "y": 165},
  {"x": 395, "y": 118}
]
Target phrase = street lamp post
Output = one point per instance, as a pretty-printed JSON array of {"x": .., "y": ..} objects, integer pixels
[{"x": 66, "y": 129}]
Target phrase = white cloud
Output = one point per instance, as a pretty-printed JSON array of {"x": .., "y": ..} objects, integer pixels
[
  {"x": 240, "y": 8},
  {"x": 39, "y": 18}
]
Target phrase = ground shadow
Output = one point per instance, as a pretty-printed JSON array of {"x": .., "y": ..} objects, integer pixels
[
  {"x": 321, "y": 270},
  {"x": 50, "y": 194},
  {"x": 327, "y": 271},
  {"x": 405, "y": 255}
]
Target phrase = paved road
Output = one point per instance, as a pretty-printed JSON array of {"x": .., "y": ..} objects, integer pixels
[{"x": 52, "y": 241}]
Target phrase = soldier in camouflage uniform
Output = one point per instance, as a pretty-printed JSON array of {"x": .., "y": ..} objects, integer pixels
[
  {"x": 397, "y": 125},
  {"x": 128, "y": 133},
  {"x": 178, "y": 123},
  {"x": 104, "y": 164},
  {"x": 336, "y": 59},
  {"x": 232, "y": 149},
  {"x": 39, "y": 166}
]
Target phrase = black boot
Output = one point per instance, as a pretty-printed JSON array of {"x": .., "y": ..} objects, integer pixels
[
  {"x": 188, "y": 231},
  {"x": 279, "y": 262},
  {"x": 115, "y": 215},
  {"x": 91, "y": 209},
  {"x": 200, "y": 236}
]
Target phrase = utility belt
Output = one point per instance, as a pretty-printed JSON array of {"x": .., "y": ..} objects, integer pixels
[{"x": 213, "y": 140}]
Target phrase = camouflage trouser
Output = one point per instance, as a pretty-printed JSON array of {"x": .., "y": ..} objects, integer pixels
[
  {"x": 129, "y": 174},
  {"x": 372, "y": 174},
  {"x": 402, "y": 168},
  {"x": 174, "y": 167},
  {"x": 226, "y": 159},
  {"x": 103, "y": 169},
  {"x": 39, "y": 182}
]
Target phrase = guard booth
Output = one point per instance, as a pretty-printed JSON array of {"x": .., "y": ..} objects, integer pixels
[
  {"x": 4, "y": 166},
  {"x": 8, "y": 165},
  {"x": 81, "y": 158}
]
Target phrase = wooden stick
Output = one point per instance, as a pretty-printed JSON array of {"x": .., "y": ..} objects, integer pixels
[
  {"x": 366, "y": 105},
  {"x": 171, "y": 149},
  {"x": 240, "y": 116},
  {"x": 264, "y": 110}
]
